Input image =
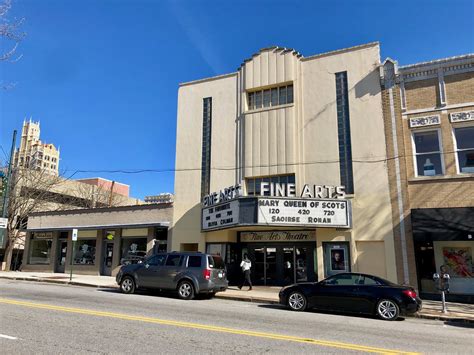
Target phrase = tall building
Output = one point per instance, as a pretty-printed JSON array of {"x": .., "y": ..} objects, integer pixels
[
  {"x": 429, "y": 124},
  {"x": 33, "y": 153},
  {"x": 293, "y": 171}
]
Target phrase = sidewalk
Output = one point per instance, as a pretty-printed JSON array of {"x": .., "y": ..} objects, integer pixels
[{"x": 263, "y": 294}]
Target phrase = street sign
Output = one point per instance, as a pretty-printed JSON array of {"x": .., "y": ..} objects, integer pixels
[
  {"x": 74, "y": 235},
  {"x": 3, "y": 222}
]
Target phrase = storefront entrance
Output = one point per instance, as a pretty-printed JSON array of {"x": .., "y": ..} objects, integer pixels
[
  {"x": 62, "y": 251},
  {"x": 108, "y": 251},
  {"x": 281, "y": 264}
]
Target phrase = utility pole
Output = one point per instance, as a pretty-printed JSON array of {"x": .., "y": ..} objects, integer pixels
[{"x": 3, "y": 231}]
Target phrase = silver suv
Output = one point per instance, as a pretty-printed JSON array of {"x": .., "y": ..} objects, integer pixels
[{"x": 187, "y": 273}]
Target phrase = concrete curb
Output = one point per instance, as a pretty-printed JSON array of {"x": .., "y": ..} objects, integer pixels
[
  {"x": 57, "y": 282},
  {"x": 242, "y": 298}
]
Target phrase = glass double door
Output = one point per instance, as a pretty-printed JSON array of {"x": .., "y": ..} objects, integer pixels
[{"x": 281, "y": 265}]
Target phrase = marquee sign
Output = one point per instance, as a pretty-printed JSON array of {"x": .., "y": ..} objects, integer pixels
[
  {"x": 220, "y": 216},
  {"x": 278, "y": 236},
  {"x": 304, "y": 212}
]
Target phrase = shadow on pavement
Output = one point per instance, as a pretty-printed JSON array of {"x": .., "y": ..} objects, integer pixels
[
  {"x": 154, "y": 293},
  {"x": 367, "y": 316},
  {"x": 459, "y": 324}
]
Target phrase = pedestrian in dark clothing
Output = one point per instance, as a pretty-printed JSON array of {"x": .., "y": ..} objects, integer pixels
[{"x": 246, "y": 264}]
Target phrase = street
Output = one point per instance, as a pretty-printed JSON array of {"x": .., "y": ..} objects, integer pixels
[{"x": 46, "y": 318}]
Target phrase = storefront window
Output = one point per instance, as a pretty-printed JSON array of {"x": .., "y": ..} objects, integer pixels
[
  {"x": 133, "y": 250},
  {"x": 427, "y": 153},
  {"x": 336, "y": 258},
  {"x": 84, "y": 252},
  {"x": 465, "y": 148},
  {"x": 40, "y": 251}
]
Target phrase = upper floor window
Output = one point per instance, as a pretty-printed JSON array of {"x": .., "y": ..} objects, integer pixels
[
  {"x": 427, "y": 149},
  {"x": 464, "y": 146},
  {"x": 281, "y": 95},
  {"x": 254, "y": 184}
]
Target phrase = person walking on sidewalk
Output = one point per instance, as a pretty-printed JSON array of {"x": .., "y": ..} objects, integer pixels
[{"x": 246, "y": 264}]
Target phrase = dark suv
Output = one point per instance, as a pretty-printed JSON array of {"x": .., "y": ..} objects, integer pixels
[{"x": 188, "y": 273}]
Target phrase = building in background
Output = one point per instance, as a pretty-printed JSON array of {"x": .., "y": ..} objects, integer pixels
[
  {"x": 429, "y": 120},
  {"x": 33, "y": 153},
  {"x": 160, "y": 198},
  {"x": 293, "y": 167},
  {"x": 113, "y": 186}
]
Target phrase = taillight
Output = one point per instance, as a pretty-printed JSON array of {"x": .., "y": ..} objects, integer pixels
[
  {"x": 207, "y": 274},
  {"x": 410, "y": 293}
]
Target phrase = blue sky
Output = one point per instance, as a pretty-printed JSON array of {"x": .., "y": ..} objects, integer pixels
[{"x": 102, "y": 75}]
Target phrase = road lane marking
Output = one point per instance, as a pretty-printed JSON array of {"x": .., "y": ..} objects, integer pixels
[
  {"x": 8, "y": 337},
  {"x": 325, "y": 343}
]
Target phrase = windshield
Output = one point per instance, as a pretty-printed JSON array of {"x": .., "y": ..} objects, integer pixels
[{"x": 215, "y": 262}]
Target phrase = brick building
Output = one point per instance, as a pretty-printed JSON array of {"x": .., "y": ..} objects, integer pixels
[{"x": 429, "y": 126}]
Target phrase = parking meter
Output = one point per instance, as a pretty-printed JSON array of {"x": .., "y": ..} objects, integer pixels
[{"x": 442, "y": 284}]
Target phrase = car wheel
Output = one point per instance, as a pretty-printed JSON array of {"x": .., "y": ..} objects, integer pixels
[
  {"x": 297, "y": 301},
  {"x": 186, "y": 290},
  {"x": 127, "y": 285},
  {"x": 388, "y": 309}
]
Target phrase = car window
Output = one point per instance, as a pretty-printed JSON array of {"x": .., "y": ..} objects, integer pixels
[
  {"x": 174, "y": 260},
  {"x": 343, "y": 279},
  {"x": 156, "y": 260},
  {"x": 215, "y": 262},
  {"x": 369, "y": 281},
  {"x": 194, "y": 261}
]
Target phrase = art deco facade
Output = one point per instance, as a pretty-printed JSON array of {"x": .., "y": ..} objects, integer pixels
[{"x": 279, "y": 142}]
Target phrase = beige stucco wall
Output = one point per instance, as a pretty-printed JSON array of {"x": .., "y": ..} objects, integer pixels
[{"x": 187, "y": 208}]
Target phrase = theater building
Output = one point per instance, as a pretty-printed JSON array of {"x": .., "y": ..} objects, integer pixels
[
  {"x": 429, "y": 120},
  {"x": 285, "y": 159}
]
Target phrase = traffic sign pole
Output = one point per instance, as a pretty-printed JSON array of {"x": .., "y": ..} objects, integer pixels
[{"x": 74, "y": 239}]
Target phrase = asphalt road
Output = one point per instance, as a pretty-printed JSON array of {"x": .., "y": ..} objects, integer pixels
[{"x": 45, "y": 318}]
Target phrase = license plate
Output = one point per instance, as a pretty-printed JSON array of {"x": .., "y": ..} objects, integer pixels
[{"x": 220, "y": 275}]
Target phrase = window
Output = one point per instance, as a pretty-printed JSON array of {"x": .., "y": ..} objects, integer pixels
[
  {"x": 40, "y": 251},
  {"x": 344, "y": 132},
  {"x": 344, "y": 280},
  {"x": 157, "y": 260},
  {"x": 464, "y": 144},
  {"x": 254, "y": 184},
  {"x": 133, "y": 250},
  {"x": 266, "y": 98},
  {"x": 194, "y": 261},
  {"x": 215, "y": 262},
  {"x": 174, "y": 260},
  {"x": 270, "y": 97},
  {"x": 427, "y": 153},
  {"x": 84, "y": 252},
  {"x": 206, "y": 146}
]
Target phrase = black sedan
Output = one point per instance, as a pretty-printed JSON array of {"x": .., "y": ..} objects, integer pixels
[{"x": 355, "y": 293}]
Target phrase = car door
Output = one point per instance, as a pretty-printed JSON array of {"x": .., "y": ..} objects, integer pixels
[
  {"x": 336, "y": 293},
  {"x": 366, "y": 293},
  {"x": 167, "y": 273},
  {"x": 150, "y": 270}
]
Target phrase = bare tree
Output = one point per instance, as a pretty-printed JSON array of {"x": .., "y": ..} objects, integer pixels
[
  {"x": 30, "y": 191},
  {"x": 10, "y": 31}
]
